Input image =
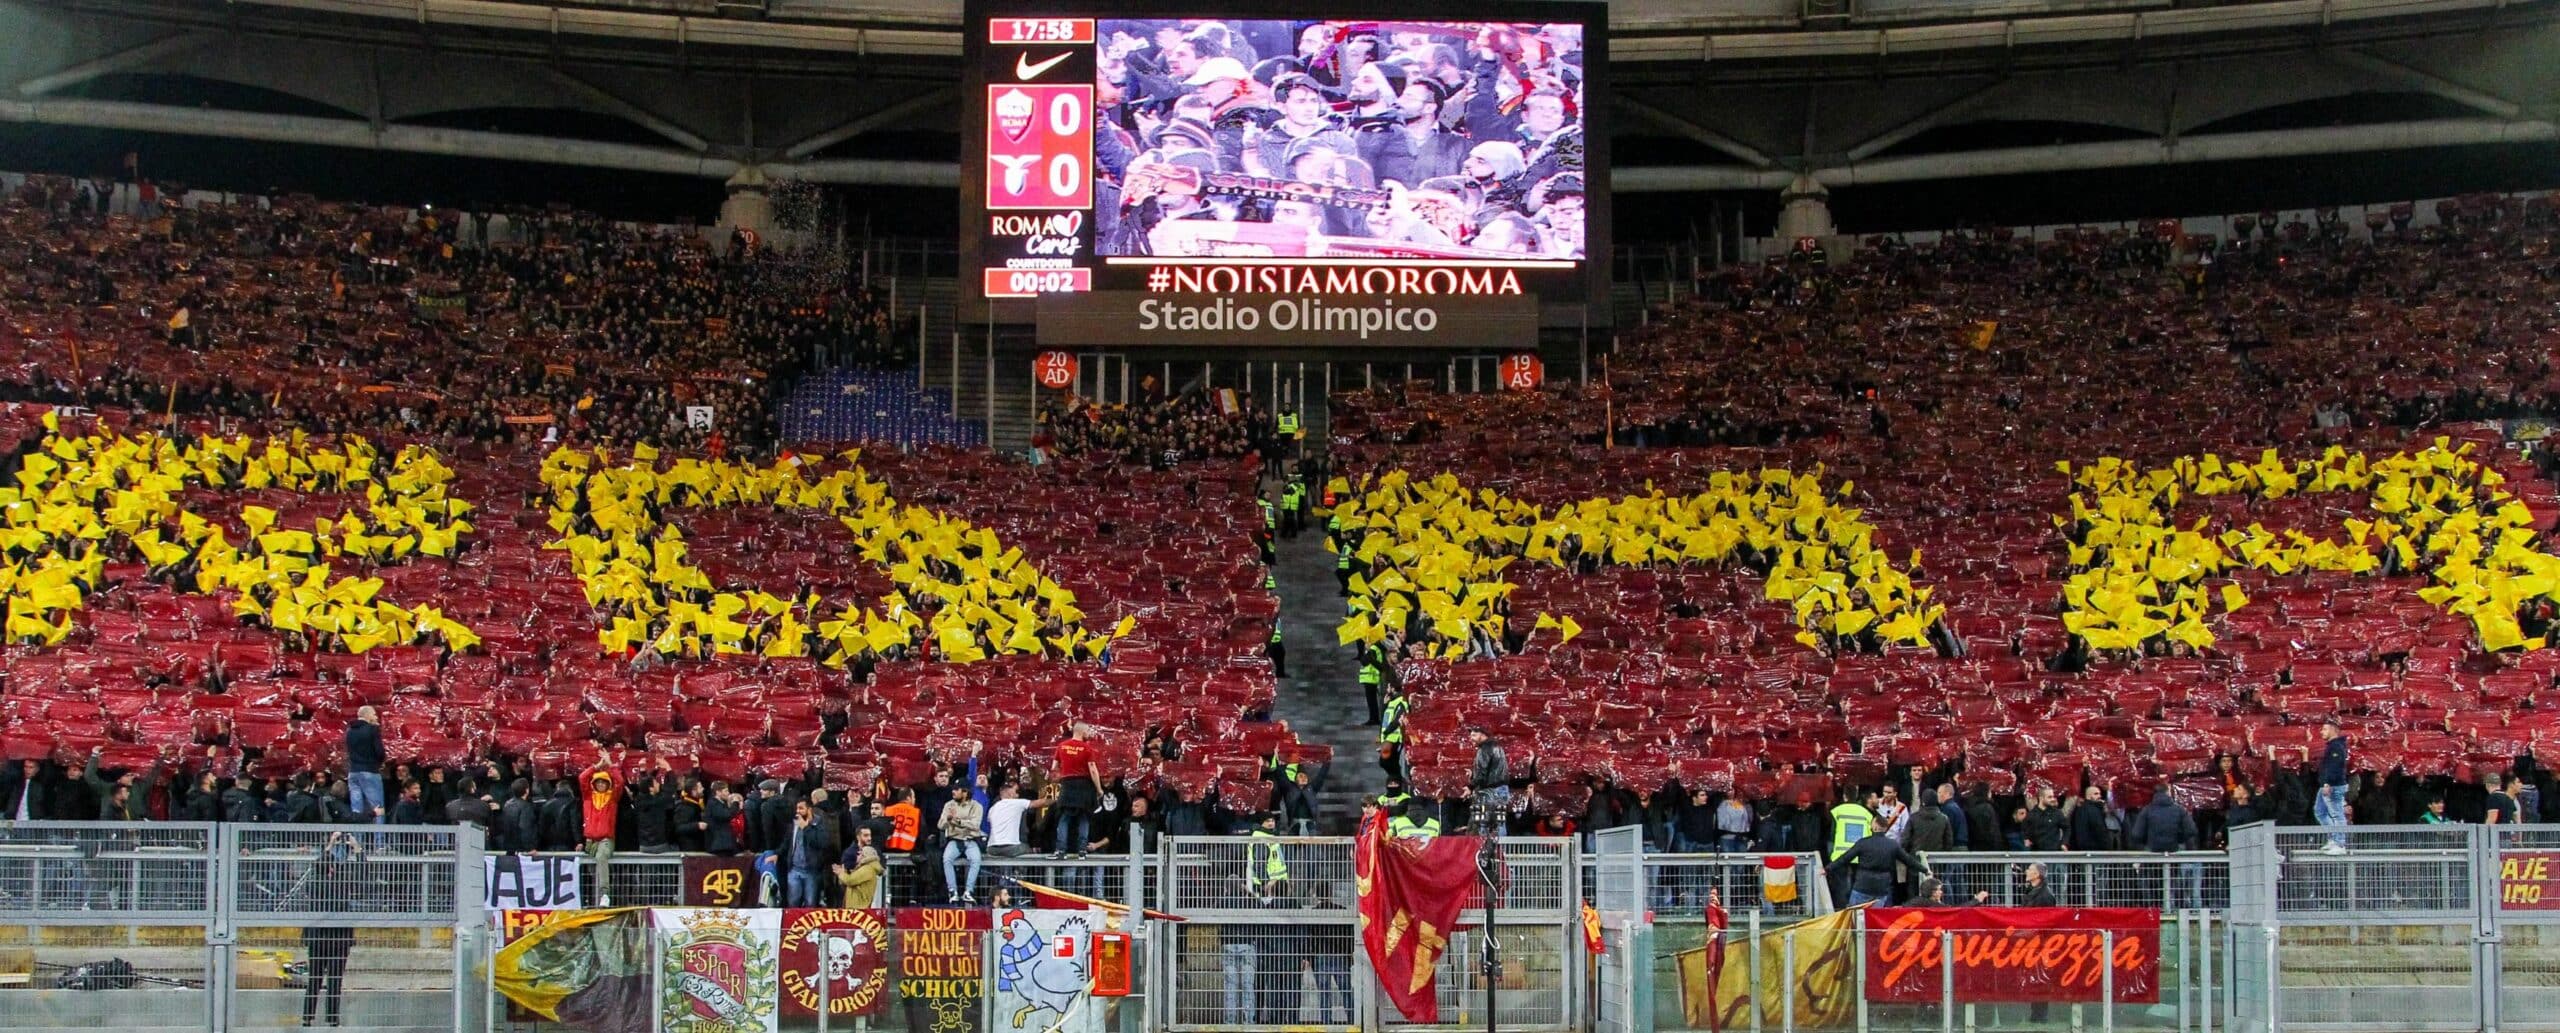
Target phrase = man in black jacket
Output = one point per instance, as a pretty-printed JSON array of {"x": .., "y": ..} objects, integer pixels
[
  {"x": 364, "y": 767},
  {"x": 563, "y": 827},
  {"x": 2089, "y": 822},
  {"x": 773, "y": 815},
  {"x": 2044, "y": 826},
  {"x": 410, "y": 808},
  {"x": 2244, "y": 811},
  {"x": 2329, "y": 808},
  {"x": 651, "y": 801},
  {"x": 301, "y": 805},
  {"x": 435, "y": 796},
  {"x": 2163, "y": 827},
  {"x": 1930, "y": 831},
  {"x": 203, "y": 802},
  {"x": 240, "y": 803},
  {"x": 521, "y": 819},
  {"x": 470, "y": 806},
  {"x": 1868, "y": 864},
  {"x": 719, "y": 835},
  {"x": 686, "y": 816},
  {"x": 22, "y": 792},
  {"x": 1981, "y": 822},
  {"x": 2037, "y": 893}
]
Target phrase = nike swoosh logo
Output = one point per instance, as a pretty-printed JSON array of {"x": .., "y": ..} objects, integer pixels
[{"x": 1025, "y": 70}]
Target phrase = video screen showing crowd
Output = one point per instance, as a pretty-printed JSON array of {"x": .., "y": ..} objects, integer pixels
[{"x": 1357, "y": 140}]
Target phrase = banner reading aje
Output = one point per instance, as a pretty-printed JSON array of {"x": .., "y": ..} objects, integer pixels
[
  {"x": 2012, "y": 954},
  {"x": 1135, "y": 319}
]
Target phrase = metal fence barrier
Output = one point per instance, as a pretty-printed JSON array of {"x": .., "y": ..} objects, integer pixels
[
  {"x": 2384, "y": 928},
  {"x": 238, "y": 927}
]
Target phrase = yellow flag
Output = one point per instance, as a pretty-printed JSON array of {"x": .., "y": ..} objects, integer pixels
[
  {"x": 1127, "y": 624},
  {"x": 1570, "y": 628}
]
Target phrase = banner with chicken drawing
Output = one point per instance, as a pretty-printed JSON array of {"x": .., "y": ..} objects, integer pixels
[{"x": 1043, "y": 974}]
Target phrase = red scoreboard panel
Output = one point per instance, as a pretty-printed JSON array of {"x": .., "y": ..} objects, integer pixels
[
  {"x": 1039, "y": 165},
  {"x": 1039, "y": 147}
]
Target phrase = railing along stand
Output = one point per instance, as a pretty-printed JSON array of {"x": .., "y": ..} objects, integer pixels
[{"x": 1490, "y": 867}]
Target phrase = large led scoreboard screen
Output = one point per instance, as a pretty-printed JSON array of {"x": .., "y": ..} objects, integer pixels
[{"x": 1442, "y": 149}]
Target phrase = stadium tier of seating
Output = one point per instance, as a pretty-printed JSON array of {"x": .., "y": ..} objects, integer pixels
[
  {"x": 1955, "y": 409},
  {"x": 858, "y": 405},
  {"x": 332, "y": 510}
]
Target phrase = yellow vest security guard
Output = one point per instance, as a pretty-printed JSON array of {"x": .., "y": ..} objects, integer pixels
[
  {"x": 1264, "y": 864},
  {"x": 1850, "y": 822}
]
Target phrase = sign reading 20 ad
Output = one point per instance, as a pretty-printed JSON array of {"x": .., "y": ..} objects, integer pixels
[{"x": 1039, "y": 173}]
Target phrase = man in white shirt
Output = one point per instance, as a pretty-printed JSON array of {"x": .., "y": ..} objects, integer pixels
[
  {"x": 1894, "y": 815},
  {"x": 1004, "y": 822}
]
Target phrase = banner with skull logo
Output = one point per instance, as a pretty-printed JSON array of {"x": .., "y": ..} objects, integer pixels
[{"x": 838, "y": 955}]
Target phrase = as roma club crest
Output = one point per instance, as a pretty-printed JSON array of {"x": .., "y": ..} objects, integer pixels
[
  {"x": 1013, "y": 114},
  {"x": 714, "y": 968}
]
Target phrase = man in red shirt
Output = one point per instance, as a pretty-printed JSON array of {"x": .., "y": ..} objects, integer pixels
[
  {"x": 1079, "y": 774},
  {"x": 599, "y": 800}
]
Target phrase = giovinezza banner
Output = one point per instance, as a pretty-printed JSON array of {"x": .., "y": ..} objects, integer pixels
[
  {"x": 1132, "y": 319},
  {"x": 2010, "y": 954}
]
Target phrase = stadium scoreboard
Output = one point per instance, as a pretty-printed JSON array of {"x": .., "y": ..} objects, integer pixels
[{"x": 1273, "y": 174}]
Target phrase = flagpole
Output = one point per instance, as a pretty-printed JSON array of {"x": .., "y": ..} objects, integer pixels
[{"x": 1487, "y": 857}]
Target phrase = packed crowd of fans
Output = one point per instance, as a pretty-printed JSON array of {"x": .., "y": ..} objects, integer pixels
[
  {"x": 1671, "y": 654},
  {"x": 294, "y": 312},
  {"x": 1947, "y": 399},
  {"x": 599, "y": 585},
  {"x": 1159, "y": 431}
]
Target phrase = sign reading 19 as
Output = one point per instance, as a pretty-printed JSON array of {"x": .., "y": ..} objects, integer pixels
[{"x": 1040, "y": 30}]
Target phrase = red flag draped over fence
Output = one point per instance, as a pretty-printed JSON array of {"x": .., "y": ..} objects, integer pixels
[{"x": 1411, "y": 892}]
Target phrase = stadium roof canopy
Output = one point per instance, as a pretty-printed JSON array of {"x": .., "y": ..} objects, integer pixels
[{"x": 1722, "y": 95}]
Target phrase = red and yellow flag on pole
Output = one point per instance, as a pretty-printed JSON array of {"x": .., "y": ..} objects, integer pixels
[{"x": 1411, "y": 892}]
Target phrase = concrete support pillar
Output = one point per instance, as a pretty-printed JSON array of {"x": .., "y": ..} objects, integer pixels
[
  {"x": 1805, "y": 211},
  {"x": 750, "y": 204}
]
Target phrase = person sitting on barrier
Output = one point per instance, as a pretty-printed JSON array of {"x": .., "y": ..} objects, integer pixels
[
  {"x": 601, "y": 806},
  {"x": 1868, "y": 864},
  {"x": 960, "y": 825}
]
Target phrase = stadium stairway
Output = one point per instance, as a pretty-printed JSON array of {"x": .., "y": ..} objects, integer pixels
[{"x": 1321, "y": 697}]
